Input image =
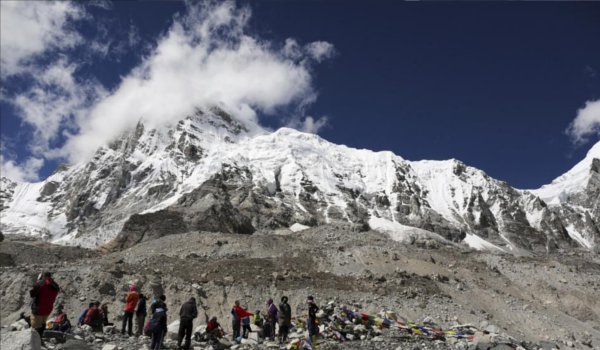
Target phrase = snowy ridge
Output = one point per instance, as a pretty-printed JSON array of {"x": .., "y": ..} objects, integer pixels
[
  {"x": 263, "y": 179},
  {"x": 573, "y": 181}
]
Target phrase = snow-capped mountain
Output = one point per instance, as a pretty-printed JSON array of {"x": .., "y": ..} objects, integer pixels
[
  {"x": 210, "y": 172},
  {"x": 575, "y": 197}
]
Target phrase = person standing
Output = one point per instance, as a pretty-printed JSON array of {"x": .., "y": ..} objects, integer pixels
[
  {"x": 311, "y": 322},
  {"x": 237, "y": 314},
  {"x": 104, "y": 310},
  {"x": 187, "y": 314},
  {"x": 130, "y": 303},
  {"x": 246, "y": 327},
  {"x": 44, "y": 294},
  {"x": 158, "y": 324},
  {"x": 272, "y": 315},
  {"x": 285, "y": 319},
  {"x": 140, "y": 315}
]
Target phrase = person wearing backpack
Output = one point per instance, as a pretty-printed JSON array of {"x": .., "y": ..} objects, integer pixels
[
  {"x": 81, "y": 320},
  {"x": 130, "y": 303},
  {"x": 157, "y": 327},
  {"x": 272, "y": 315},
  {"x": 44, "y": 294},
  {"x": 140, "y": 315},
  {"x": 187, "y": 314},
  {"x": 285, "y": 319}
]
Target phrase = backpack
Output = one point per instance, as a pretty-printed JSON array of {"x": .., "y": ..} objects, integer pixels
[{"x": 155, "y": 323}]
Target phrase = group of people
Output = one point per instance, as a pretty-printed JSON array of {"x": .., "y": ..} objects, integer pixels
[
  {"x": 45, "y": 291},
  {"x": 282, "y": 316}
]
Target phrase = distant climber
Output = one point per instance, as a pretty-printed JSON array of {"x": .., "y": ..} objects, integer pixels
[
  {"x": 130, "y": 303},
  {"x": 285, "y": 319},
  {"x": 140, "y": 315},
  {"x": 187, "y": 314},
  {"x": 44, "y": 294}
]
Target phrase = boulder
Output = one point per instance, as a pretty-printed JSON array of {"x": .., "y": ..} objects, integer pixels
[
  {"x": 109, "y": 347},
  {"x": 173, "y": 330},
  {"x": 19, "y": 325},
  {"x": 26, "y": 339}
]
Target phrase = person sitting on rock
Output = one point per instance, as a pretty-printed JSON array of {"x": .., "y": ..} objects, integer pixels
[
  {"x": 93, "y": 317},
  {"x": 257, "y": 319},
  {"x": 44, "y": 294},
  {"x": 61, "y": 322},
  {"x": 81, "y": 319},
  {"x": 187, "y": 314},
  {"x": 214, "y": 330},
  {"x": 104, "y": 310},
  {"x": 131, "y": 301}
]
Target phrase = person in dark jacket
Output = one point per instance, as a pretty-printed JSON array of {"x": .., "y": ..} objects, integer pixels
[
  {"x": 44, "y": 294},
  {"x": 187, "y": 314},
  {"x": 311, "y": 322},
  {"x": 272, "y": 316},
  {"x": 285, "y": 319},
  {"x": 104, "y": 309},
  {"x": 140, "y": 315},
  {"x": 158, "y": 324}
]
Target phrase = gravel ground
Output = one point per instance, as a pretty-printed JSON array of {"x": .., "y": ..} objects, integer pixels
[{"x": 536, "y": 298}]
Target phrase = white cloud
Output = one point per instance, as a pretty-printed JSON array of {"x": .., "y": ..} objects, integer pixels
[
  {"x": 309, "y": 124},
  {"x": 55, "y": 101},
  {"x": 205, "y": 58},
  {"x": 29, "y": 28},
  {"x": 586, "y": 124},
  {"x": 320, "y": 50},
  {"x": 28, "y": 171}
]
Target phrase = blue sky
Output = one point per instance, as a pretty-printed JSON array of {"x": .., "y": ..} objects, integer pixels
[{"x": 511, "y": 88}]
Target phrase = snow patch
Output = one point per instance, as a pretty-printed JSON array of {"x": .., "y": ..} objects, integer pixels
[
  {"x": 298, "y": 227},
  {"x": 479, "y": 243}
]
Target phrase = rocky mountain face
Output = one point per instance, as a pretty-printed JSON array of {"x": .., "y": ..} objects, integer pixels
[
  {"x": 212, "y": 173},
  {"x": 575, "y": 198}
]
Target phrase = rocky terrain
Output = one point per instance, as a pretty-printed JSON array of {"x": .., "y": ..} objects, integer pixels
[{"x": 535, "y": 301}]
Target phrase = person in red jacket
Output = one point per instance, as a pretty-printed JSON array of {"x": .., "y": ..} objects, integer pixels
[
  {"x": 237, "y": 313},
  {"x": 130, "y": 303},
  {"x": 44, "y": 294}
]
